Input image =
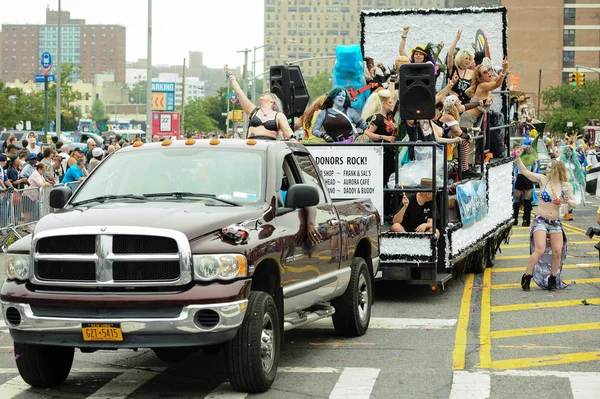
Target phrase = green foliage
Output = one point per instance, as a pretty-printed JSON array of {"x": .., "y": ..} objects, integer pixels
[
  {"x": 318, "y": 85},
  {"x": 565, "y": 103},
  {"x": 98, "y": 112},
  {"x": 197, "y": 118},
  {"x": 138, "y": 92}
]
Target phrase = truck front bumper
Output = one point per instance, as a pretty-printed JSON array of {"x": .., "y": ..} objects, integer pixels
[{"x": 198, "y": 324}]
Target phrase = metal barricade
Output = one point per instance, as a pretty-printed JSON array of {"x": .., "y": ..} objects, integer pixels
[{"x": 27, "y": 206}]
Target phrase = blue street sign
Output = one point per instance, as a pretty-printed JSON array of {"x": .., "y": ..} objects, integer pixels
[
  {"x": 40, "y": 78},
  {"x": 46, "y": 60},
  {"x": 170, "y": 102}
]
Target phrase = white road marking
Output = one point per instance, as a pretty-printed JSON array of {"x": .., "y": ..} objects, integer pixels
[
  {"x": 355, "y": 383},
  {"x": 391, "y": 323},
  {"x": 123, "y": 385},
  {"x": 13, "y": 387},
  {"x": 470, "y": 385},
  {"x": 584, "y": 387},
  {"x": 308, "y": 370},
  {"x": 225, "y": 391}
]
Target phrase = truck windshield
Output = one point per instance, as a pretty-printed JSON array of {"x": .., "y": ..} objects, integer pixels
[{"x": 227, "y": 174}]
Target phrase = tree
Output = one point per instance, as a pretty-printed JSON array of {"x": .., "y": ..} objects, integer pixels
[
  {"x": 197, "y": 118},
  {"x": 565, "y": 103},
  {"x": 98, "y": 112},
  {"x": 318, "y": 85},
  {"x": 138, "y": 92}
]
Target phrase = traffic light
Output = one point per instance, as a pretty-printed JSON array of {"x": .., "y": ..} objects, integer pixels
[
  {"x": 580, "y": 78},
  {"x": 573, "y": 79}
]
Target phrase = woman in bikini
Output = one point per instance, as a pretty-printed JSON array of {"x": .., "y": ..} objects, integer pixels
[
  {"x": 264, "y": 121},
  {"x": 546, "y": 226}
]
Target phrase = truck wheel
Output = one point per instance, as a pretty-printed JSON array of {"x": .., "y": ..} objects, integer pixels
[
  {"x": 172, "y": 355},
  {"x": 353, "y": 308},
  {"x": 252, "y": 356},
  {"x": 43, "y": 365}
]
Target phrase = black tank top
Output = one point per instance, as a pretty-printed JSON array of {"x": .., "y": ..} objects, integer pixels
[
  {"x": 337, "y": 126},
  {"x": 461, "y": 86}
]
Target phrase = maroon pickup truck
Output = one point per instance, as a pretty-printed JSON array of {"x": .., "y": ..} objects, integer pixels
[{"x": 177, "y": 246}]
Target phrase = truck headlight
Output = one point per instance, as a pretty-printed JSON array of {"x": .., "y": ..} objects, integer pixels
[
  {"x": 17, "y": 266},
  {"x": 219, "y": 267}
]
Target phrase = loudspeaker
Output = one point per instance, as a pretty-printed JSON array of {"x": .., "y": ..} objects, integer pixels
[
  {"x": 417, "y": 91},
  {"x": 288, "y": 84}
]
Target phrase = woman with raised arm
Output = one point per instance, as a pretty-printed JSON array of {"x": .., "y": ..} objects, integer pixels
[
  {"x": 546, "y": 226},
  {"x": 459, "y": 66},
  {"x": 265, "y": 121}
]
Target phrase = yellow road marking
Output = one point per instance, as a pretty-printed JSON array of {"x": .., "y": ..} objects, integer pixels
[
  {"x": 592, "y": 253},
  {"x": 460, "y": 342},
  {"x": 522, "y": 268},
  {"x": 521, "y": 228},
  {"x": 485, "y": 348},
  {"x": 577, "y": 357},
  {"x": 543, "y": 305},
  {"x": 518, "y": 285},
  {"x": 570, "y": 226},
  {"x": 526, "y": 245},
  {"x": 521, "y": 332},
  {"x": 508, "y": 257}
]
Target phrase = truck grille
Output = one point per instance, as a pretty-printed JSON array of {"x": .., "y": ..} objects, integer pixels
[
  {"x": 145, "y": 271},
  {"x": 109, "y": 260},
  {"x": 68, "y": 271}
]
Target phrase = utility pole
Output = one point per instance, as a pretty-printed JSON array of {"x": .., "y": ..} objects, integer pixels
[
  {"x": 245, "y": 87},
  {"x": 182, "y": 119},
  {"x": 58, "y": 84},
  {"x": 539, "y": 94},
  {"x": 227, "y": 119},
  {"x": 149, "y": 78}
]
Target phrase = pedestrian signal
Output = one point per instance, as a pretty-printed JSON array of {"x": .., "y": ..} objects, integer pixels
[{"x": 573, "y": 79}]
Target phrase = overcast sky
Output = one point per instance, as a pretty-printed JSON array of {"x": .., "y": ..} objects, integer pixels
[{"x": 218, "y": 28}]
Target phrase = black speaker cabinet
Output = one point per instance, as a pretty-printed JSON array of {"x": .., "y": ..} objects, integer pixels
[
  {"x": 288, "y": 84},
  {"x": 417, "y": 91}
]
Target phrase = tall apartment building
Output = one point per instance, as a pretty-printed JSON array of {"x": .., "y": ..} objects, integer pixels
[
  {"x": 299, "y": 29},
  {"x": 471, "y": 3},
  {"x": 553, "y": 36},
  {"x": 96, "y": 49}
]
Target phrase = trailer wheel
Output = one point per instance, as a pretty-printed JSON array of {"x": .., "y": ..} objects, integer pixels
[
  {"x": 353, "y": 309},
  {"x": 43, "y": 365}
]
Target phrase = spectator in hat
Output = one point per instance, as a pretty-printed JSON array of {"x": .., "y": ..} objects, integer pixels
[
  {"x": 416, "y": 212},
  {"x": 75, "y": 172},
  {"x": 13, "y": 172},
  {"x": 97, "y": 155},
  {"x": 33, "y": 147},
  {"x": 30, "y": 167},
  {"x": 4, "y": 182}
]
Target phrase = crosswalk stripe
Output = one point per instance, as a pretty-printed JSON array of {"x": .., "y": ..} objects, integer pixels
[
  {"x": 470, "y": 385},
  {"x": 355, "y": 383},
  {"x": 392, "y": 323},
  {"x": 123, "y": 385},
  {"x": 225, "y": 391},
  {"x": 13, "y": 387}
]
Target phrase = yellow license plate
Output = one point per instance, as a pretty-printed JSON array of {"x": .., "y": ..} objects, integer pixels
[{"x": 101, "y": 332}]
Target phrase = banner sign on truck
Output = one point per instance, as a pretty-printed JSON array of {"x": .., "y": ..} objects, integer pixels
[
  {"x": 471, "y": 202},
  {"x": 352, "y": 172}
]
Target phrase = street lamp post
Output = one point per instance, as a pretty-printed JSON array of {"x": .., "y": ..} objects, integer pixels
[
  {"x": 245, "y": 87},
  {"x": 253, "y": 94}
]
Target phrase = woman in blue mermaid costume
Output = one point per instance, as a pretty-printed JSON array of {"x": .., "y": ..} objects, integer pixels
[
  {"x": 548, "y": 242},
  {"x": 575, "y": 177}
]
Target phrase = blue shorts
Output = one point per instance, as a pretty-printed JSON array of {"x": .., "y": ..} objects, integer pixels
[{"x": 549, "y": 226}]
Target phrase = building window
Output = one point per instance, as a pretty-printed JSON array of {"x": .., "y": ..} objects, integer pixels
[
  {"x": 568, "y": 59},
  {"x": 565, "y": 77},
  {"x": 569, "y": 16},
  {"x": 569, "y": 37}
]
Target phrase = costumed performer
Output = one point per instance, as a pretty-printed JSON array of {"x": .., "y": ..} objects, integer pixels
[
  {"x": 338, "y": 119},
  {"x": 575, "y": 177}
]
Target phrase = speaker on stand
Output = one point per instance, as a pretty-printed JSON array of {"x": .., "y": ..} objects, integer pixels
[
  {"x": 288, "y": 84},
  {"x": 417, "y": 91}
]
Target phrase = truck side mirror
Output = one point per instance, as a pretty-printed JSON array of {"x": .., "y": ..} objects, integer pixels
[
  {"x": 59, "y": 197},
  {"x": 302, "y": 196}
]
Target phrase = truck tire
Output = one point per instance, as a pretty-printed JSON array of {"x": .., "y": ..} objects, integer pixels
[
  {"x": 252, "y": 356},
  {"x": 43, "y": 365},
  {"x": 353, "y": 308}
]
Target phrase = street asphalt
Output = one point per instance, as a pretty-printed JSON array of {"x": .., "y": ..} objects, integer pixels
[{"x": 481, "y": 338}]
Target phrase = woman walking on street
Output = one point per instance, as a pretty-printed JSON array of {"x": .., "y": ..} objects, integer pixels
[{"x": 548, "y": 243}]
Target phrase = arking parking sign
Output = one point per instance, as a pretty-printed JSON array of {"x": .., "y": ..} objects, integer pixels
[{"x": 46, "y": 60}]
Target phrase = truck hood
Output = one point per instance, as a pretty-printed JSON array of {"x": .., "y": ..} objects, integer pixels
[{"x": 193, "y": 218}]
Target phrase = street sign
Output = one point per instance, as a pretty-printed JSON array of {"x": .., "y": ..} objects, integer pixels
[
  {"x": 165, "y": 87},
  {"x": 46, "y": 60},
  {"x": 159, "y": 102},
  {"x": 40, "y": 78},
  {"x": 170, "y": 101},
  {"x": 233, "y": 98},
  {"x": 165, "y": 123}
]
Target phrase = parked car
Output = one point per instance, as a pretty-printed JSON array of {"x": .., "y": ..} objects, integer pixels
[
  {"x": 542, "y": 150},
  {"x": 227, "y": 244},
  {"x": 79, "y": 139}
]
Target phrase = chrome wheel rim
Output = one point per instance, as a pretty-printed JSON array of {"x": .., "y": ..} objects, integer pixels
[
  {"x": 267, "y": 346},
  {"x": 362, "y": 293}
]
